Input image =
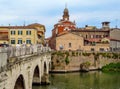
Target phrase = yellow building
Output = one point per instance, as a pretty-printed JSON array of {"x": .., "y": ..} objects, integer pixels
[
  {"x": 30, "y": 34},
  {"x": 40, "y": 32},
  {"x": 21, "y": 34}
]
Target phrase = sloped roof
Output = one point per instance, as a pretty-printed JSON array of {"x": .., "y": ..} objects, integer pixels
[
  {"x": 35, "y": 24},
  {"x": 67, "y": 32}
]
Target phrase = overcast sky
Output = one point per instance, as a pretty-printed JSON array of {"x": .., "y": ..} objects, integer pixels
[{"x": 49, "y": 12}]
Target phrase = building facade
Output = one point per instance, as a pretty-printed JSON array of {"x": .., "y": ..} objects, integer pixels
[
  {"x": 115, "y": 39},
  {"x": 30, "y": 34},
  {"x": 20, "y": 35},
  {"x": 69, "y": 41},
  {"x": 94, "y": 39},
  {"x": 89, "y": 38},
  {"x": 64, "y": 25}
]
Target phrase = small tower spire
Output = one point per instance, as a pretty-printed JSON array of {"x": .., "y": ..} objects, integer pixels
[
  {"x": 116, "y": 23},
  {"x": 66, "y": 13},
  {"x": 65, "y": 5}
]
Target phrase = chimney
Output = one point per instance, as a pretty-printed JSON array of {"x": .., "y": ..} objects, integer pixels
[{"x": 105, "y": 25}]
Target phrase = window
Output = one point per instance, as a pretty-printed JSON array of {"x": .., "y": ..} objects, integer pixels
[
  {"x": 12, "y": 41},
  {"x": 19, "y": 41},
  {"x": 28, "y": 32},
  {"x": 19, "y": 32},
  {"x": 92, "y": 49},
  {"x": 70, "y": 45},
  {"x": 61, "y": 46},
  {"x": 12, "y": 32},
  {"x": 97, "y": 36},
  {"x": 101, "y": 49},
  {"x": 28, "y": 41}
]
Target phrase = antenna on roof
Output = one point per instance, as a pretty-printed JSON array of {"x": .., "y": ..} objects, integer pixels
[
  {"x": 116, "y": 22},
  {"x": 65, "y": 5},
  {"x": 24, "y": 23}
]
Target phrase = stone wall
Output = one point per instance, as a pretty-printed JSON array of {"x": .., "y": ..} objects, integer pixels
[{"x": 95, "y": 60}]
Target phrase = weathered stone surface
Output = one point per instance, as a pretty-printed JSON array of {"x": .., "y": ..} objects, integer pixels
[{"x": 25, "y": 67}]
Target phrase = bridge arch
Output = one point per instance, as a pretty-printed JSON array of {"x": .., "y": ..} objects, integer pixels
[
  {"x": 20, "y": 82},
  {"x": 45, "y": 67},
  {"x": 36, "y": 76}
]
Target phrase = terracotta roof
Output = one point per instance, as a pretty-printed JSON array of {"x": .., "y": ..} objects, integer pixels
[
  {"x": 21, "y": 27},
  {"x": 85, "y": 30},
  {"x": 62, "y": 33},
  {"x": 114, "y": 39},
  {"x": 64, "y": 22},
  {"x": 35, "y": 24},
  {"x": 31, "y": 26},
  {"x": 66, "y": 32},
  {"x": 17, "y": 27}
]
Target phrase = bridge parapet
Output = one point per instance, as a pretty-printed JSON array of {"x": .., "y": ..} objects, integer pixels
[{"x": 10, "y": 54}]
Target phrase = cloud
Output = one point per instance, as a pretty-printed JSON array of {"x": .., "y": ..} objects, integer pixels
[{"x": 46, "y": 12}]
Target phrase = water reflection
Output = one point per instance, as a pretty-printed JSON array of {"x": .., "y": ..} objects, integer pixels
[{"x": 91, "y": 80}]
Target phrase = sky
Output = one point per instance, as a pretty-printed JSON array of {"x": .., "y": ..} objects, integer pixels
[{"x": 49, "y": 12}]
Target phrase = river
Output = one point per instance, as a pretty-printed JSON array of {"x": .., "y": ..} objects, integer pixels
[{"x": 90, "y": 80}]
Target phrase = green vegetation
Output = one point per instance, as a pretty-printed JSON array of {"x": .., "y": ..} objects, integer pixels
[
  {"x": 86, "y": 54},
  {"x": 67, "y": 60},
  {"x": 62, "y": 58},
  {"x": 85, "y": 65},
  {"x": 112, "y": 67}
]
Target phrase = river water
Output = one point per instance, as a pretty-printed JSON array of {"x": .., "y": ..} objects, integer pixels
[{"x": 90, "y": 80}]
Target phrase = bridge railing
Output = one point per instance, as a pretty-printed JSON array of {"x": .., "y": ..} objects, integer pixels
[
  {"x": 9, "y": 52},
  {"x": 25, "y": 50}
]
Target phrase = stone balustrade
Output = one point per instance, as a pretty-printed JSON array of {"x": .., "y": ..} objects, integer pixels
[{"x": 18, "y": 51}]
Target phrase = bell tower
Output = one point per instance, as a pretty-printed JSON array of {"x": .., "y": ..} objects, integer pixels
[{"x": 66, "y": 14}]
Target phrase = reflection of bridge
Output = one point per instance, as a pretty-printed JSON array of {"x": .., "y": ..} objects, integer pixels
[{"x": 21, "y": 67}]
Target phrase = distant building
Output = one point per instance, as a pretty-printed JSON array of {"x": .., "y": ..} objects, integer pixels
[
  {"x": 89, "y": 38},
  {"x": 115, "y": 39},
  {"x": 64, "y": 25},
  {"x": 94, "y": 39},
  {"x": 69, "y": 41},
  {"x": 30, "y": 34}
]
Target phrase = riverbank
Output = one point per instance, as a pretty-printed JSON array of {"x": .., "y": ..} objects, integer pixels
[
  {"x": 74, "y": 61},
  {"x": 72, "y": 71}
]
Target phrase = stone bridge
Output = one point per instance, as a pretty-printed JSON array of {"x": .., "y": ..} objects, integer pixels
[{"x": 21, "y": 67}]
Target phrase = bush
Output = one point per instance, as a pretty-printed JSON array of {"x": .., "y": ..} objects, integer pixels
[
  {"x": 67, "y": 60},
  {"x": 112, "y": 67}
]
